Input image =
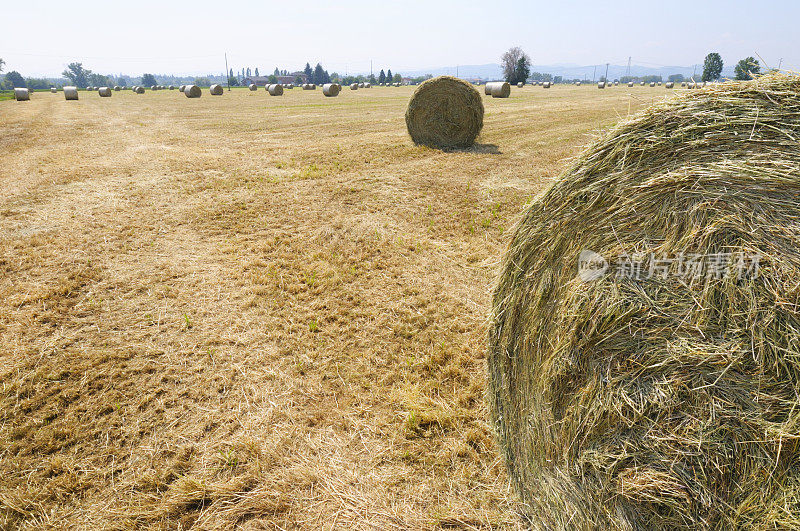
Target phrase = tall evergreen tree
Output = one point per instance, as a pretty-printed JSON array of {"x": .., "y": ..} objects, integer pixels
[
  {"x": 319, "y": 75},
  {"x": 257, "y": 75},
  {"x": 309, "y": 73},
  {"x": 389, "y": 78},
  {"x": 382, "y": 77},
  {"x": 276, "y": 72}
]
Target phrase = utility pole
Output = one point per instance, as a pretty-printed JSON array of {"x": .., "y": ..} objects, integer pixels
[
  {"x": 456, "y": 70},
  {"x": 780, "y": 63},
  {"x": 370, "y": 68},
  {"x": 594, "y": 73},
  {"x": 606, "y": 72},
  {"x": 226, "y": 72},
  {"x": 628, "y": 71}
]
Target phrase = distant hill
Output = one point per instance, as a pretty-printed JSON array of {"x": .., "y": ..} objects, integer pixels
[{"x": 495, "y": 71}]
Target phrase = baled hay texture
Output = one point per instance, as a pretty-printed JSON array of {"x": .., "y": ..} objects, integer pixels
[
  {"x": 670, "y": 401},
  {"x": 105, "y": 92},
  {"x": 445, "y": 112},
  {"x": 192, "y": 91},
  {"x": 331, "y": 90},
  {"x": 70, "y": 93},
  {"x": 275, "y": 90},
  {"x": 22, "y": 94},
  {"x": 139, "y": 90},
  {"x": 501, "y": 90},
  {"x": 252, "y": 87},
  {"x": 53, "y": 90},
  {"x": 354, "y": 86},
  {"x": 181, "y": 88},
  {"x": 215, "y": 90}
]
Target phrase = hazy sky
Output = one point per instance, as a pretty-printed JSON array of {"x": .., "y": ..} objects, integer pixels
[{"x": 39, "y": 37}]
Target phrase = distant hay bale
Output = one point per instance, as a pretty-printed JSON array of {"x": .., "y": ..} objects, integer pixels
[
  {"x": 117, "y": 88},
  {"x": 70, "y": 93},
  {"x": 546, "y": 84},
  {"x": 192, "y": 91},
  {"x": 683, "y": 83},
  {"x": 22, "y": 94},
  {"x": 361, "y": 85},
  {"x": 138, "y": 90},
  {"x": 252, "y": 87},
  {"x": 397, "y": 84},
  {"x": 601, "y": 84},
  {"x": 180, "y": 89},
  {"x": 520, "y": 84},
  {"x": 631, "y": 399},
  {"x": 501, "y": 90},
  {"x": 154, "y": 87},
  {"x": 275, "y": 89},
  {"x": 289, "y": 86},
  {"x": 172, "y": 87},
  {"x": 331, "y": 90},
  {"x": 354, "y": 86},
  {"x": 652, "y": 83},
  {"x": 53, "y": 90},
  {"x": 641, "y": 83},
  {"x": 445, "y": 112},
  {"x": 104, "y": 92},
  {"x": 630, "y": 83},
  {"x": 309, "y": 86},
  {"x": 216, "y": 90},
  {"x": 669, "y": 84},
  {"x": 659, "y": 83},
  {"x": 367, "y": 85},
  {"x": 616, "y": 83},
  {"x": 577, "y": 83}
]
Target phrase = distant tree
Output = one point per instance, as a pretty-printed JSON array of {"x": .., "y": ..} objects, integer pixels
[
  {"x": 248, "y": 72},
  {"x": 523, "y": 69},
  {"x": 382, "y": 77},
  {"x": 298, "y": 80},
  {"x": 38, "y": 83},
  {"x": 99, "y": 80},
  {"x": 397, "y": 78},
  {"x": 389, "y": 77},
  {"x": 230, "y": 73},
  {"x": 319, "y": 75},
  {"x": 712, "y": 67},
  {"x": 2, "y": 64},
  {"x": 272, "y": 79},
  {"x": 676, "y": 78},
  {"x": 257, "y": 75},
  {"x": 309, "y": 73},
  {"x": 232, "y": 81},
  {"x": 122, "y": 82},
  {"x": 15, "y": 79},
  {"x": 201, "y": 82},
  {"x": 277, "y": 72},
  {"x": 77, "y": 74},
  {"x": 747, "y": 68},
  {"x": 372, "y": 79},
  {"x": 148, "y": 80},
  {"x": 511, "y": 62}
]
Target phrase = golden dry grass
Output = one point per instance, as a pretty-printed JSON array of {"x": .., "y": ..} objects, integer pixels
[{"x": 259, "y": 311}]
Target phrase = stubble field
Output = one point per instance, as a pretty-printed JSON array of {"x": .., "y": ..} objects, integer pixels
[{"x": 255, "y": 311}]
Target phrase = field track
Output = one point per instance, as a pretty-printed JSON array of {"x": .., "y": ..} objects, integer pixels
[{"x": 260, "y": 311}]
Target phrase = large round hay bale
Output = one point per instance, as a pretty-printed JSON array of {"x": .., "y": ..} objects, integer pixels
[
  {"x": 180, "y": 89},
  {"x": 105, "y": 92},
  {"x": 361, "y": 85},
  {"x": 367, "y": 85},
  {"x": 309, "y": 86},
  {"x": 501, "y": 90},
  {"x": 275, "y": 89},
  {"x": 601, "y": 84},
  {"x": 331, "y": 90},
  {"x": 138, "y": 90},
  {"x": 70, "y": 93},
  {"x": 354, "y": 86},
  {"x": 192, "y": 91},
  {"x": 252, "y": 87},
  {"x": 645, "y": 339},
  {"x": 216, "y": 90},
  {"x": 445, "y": 112},
  {"x": 22, "y": 94}
]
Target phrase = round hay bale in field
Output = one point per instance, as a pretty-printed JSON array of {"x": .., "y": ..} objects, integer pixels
[
  {"x": 289, "y": 86},
  {"x": 683, "y": 83},
  {"x": 501, "y": 90},
  {"x": 601, "y": 84},
  {"x": 70, "y": 93},
  {"x": 354, "y": 86},
  {"x": 616, "y": 83},
  {"x": 138, "y": 90},
  {"x": 546, "y": 84},
  {"x": 630, "y": 83},
  {"x": 331, "y": 90},
  {"x": 216, "y": 90},
  {"x": 309, "y": 86},
  {"x": 180, "y": 89},
  {"x": 275, "y": 89},
  {"x": 22, "y": 94},
  {"x": 669, "y": 84},
  {"x": 53, "y": 90},
  {"x": 659, "y": 83},
  {"x": 652, "y": 83},
  {"x": 192, "y": 91},
  {"x": 367, "y": 85},
  {"x": 644, "y": 349},
  {"x": 172, "y": 87},
  {"x": 361, "y": 85},
  {"x": 104, "y": 92},
  {"x": 117, "y": 88},
  {"x": 154, "y": 88},
  {"x": 520, "y": 84},
  {"x": 252, "y": 87},
  {"x": 641, "y": 83},
  {"x": 577, "y": 83},
  {"x": 445, "y": 112}
]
